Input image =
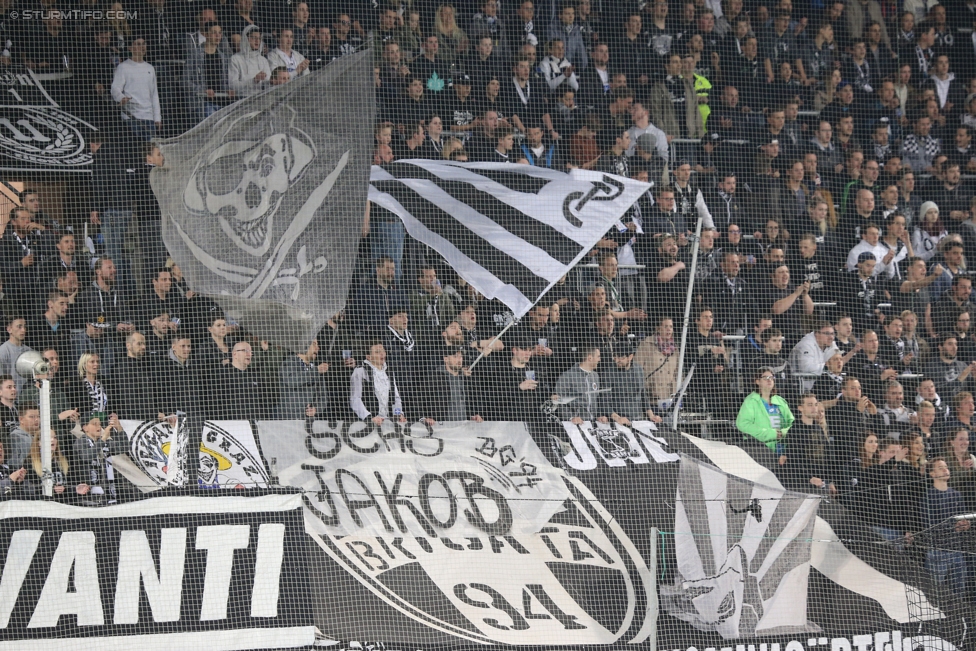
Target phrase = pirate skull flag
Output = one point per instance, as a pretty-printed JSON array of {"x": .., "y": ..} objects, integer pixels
[{"x": 263, "y": 202}]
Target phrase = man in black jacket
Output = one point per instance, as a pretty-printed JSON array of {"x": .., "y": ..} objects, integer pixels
[
  {"x": 154, "y": 252},
  {"x": 245, "y": 393},
  {"x": 134, "y": 392},
  {"x": 20, "y": 258},
  {"x": 105, "y": 317},
  {"x": 179, "y": 400}
]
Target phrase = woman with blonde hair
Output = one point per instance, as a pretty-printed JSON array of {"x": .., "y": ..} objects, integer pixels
[
  {"x": 453, "y": 41},
  {"x": 60, "y": 470},
  {"x": 87, "y": 394}
]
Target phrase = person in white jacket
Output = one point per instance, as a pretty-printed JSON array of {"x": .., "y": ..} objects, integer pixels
[
  {"x": 556, "y": 68},
  {"x": 249, "y": 72},
  {"x": 134, "y": 89},
  {"x": 285, "y": 57},
  {"x": 811, "y": 353}
]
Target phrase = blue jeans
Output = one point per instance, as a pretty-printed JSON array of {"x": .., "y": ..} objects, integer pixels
[
  {"x": 144, "y": 130},
  {"x": 387, "y": 240},
  {"x": 947, "y": 567},
  {"x": 115, "y": 223}
]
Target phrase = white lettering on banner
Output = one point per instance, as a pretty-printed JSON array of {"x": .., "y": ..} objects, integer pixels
[
  {"x": 365, "y": 480},
  {"x": 615, "y": 444},
  {"x": 23, "y": 544},
  {"x": 75, "y": 558},
  {"x": 220, "y": 543},
  {"x": 880, "y": 641},
  {"x": 76, "y": 550},
  {"x": 138, "y": 568},
  {"x": 519, "y": 552},
  {"x": 267, "y": 570}
]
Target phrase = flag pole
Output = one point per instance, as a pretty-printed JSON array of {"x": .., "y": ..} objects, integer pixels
[{"x": 492, "y": 343}]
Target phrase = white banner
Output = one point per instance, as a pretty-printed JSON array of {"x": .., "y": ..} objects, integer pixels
[{"x": 468, "y": 529}]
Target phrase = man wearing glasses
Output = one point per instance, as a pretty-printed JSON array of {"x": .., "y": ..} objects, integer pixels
[{"x": 808, "y": 357}]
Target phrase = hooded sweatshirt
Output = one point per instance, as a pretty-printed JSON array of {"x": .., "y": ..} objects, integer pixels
[{"x": 245, "y": 66}]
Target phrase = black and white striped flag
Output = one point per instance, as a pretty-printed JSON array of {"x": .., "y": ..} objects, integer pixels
[
  {"x": 743, "y": 555},
  {"x": 511, "y": 231}
]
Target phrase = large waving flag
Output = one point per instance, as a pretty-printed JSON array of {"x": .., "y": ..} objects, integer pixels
[
  {"x": 511, "y": 231},
  {"x": 263, "y": 201}
]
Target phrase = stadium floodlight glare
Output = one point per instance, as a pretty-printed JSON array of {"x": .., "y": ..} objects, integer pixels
[{"x": 32, "y": 364}]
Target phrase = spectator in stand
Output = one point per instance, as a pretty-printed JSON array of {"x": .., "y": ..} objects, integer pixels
[
  {"x": 245, "y": 396},
  {"x": 162, "y": 298},
  {"x": 811, "y": 353},
  {"x": 63, "y": 415},
  {"x": 627, "y": 400},
  {"x": 771, "y": 356},
  {"x": 861, "y": 292},
  {"x": 674, "y": 103},
  {"x": 13, "y": 348},
  {"x": 134, "y": 90},
  {"x": 451, "y": 395},
  {"x": 50, "y": 329},
  {"x": 927, "y": 426},
  {"x": 898, "y": 417},
  {"x": 962, "y": 464},
  {"x": 373, "y": 392},
  {"x": 849, "y": 417},
  {"x": 827, "y": 387},
  {"x": 20, "y": 437},
  {"x": 284, "y": 56},
  {"x": 20, "y": 257},
  {"x": 430, "y": 307},
  {"x": 92, "y": 453},
  {"x": 766, "y": 416},
  {"x": 929, "y": 231},
  {"x": 946, "y": 564},
  {"x": 65, "y": 490},
  {"x": 520, "y": 386},
  {"x": 205, "y": 75},
  {"x": 949, "y": 373},
  {"x": 105, "y": 315},
  {"x": 919, "y": 149},
  {"x": 708, "y": 353},
  {"x": 375, "y": 298},
  {"x": 785, "y": 302},
  {"x": 656, "y": 356},
  {"x": 88, "y": 394},
  {"x": 65, "y": 259},
  {"x": 178, "y": 385},
  {"x": 809, "y": 454},
  {"x": 942, "y": 316},
  {"x": 581, "y": 383},
  {"x": 248, "y": 72},
  {"x": 404, "y": 356},
  {"x": 9, "y": 415},
  {"x": 302, "y": 384},
  {"x": 132, "y": 388},
  {"x": 154, "y": 253}
]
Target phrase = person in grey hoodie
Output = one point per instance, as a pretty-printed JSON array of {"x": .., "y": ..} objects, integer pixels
[
  {"x": 20, "y": 438},
  {"x": 249, "y": 72},
  {"x": 582, "y": 384}
]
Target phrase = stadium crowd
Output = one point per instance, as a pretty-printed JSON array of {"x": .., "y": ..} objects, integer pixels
[{"x": 825, "y": 144}]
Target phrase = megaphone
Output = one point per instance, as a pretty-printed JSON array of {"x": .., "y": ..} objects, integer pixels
[{"x": 32, "y": 364}]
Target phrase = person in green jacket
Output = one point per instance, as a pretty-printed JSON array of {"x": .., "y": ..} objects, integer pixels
[{"x": 764, "y": 415}]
